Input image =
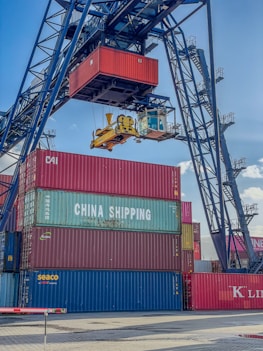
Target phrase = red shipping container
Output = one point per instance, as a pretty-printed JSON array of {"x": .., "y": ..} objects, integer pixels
[
  {"x": 67, "y": 248},
  {"x": 186, "y": 212},
  {"x": 5, "y": 181},
  {"x": 110, "y": 62},
  {"x": 197, "y": 231},
  {"x": 187, "y": 261},
  {"x": 222, "y": 291},
  {"x": 47, "y": 169},
  {"x": 197, "y": 250}
]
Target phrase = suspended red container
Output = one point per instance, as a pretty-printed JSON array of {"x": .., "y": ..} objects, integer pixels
[
  {"x": 111, "y": 76},
  {"x": 68, "y": 248},
  {"x": 47, "y": 169},
  {"x": 222, "y": 291}
]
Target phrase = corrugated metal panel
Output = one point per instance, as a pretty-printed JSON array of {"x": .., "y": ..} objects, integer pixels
[
  {"x": 197, "y": 250},
  {"x": 5, "y": 181},
  {"x": 10, "y": 247},
  {"x": 20, "y": 212},
  {"x": 72, "y": 172},
  {"x": 67, "y": 209},
  {"x": 187, "y": 261},
  {"x": 257, "y": 243},
  {"x": 114, "y": 63},
  {"x": 9, "y": 289},
  {"x": 90, "y": 291},
  {"x": 68, "y": 248},
  {"x": 10, "y": 225},
  {"x": 211, "y": 291},
  {"x": 186, "y": 212},
  {"x": 187, "y": 237},
  {"x": 203, "y": 266},
  {"x": 197, "y": 231}
]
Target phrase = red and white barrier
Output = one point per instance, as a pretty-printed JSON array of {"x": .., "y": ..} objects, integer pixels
[{"x": 32, "y": 310}]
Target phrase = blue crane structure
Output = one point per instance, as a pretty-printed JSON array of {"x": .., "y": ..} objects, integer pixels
[{"x": 69, "y": 32}]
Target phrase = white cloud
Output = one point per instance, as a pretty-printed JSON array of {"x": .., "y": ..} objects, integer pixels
[
  {"x": 253, "y": 171},
  {"x": 185, "y": 166},
  {"x": 253, "y": 193},
  {"x": 73, "y": 127}
]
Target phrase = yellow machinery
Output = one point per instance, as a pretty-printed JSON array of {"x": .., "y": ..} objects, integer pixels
[{"x": 115, "y": 133}]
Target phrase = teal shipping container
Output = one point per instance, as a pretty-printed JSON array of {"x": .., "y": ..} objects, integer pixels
[
  {"x": 9, "y": 289},
  {"x": 101, "y": 290},
  {"x": 86, "y": 210}
]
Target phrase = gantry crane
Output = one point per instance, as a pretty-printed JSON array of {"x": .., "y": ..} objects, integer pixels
[{"x": 71, "y": 30}]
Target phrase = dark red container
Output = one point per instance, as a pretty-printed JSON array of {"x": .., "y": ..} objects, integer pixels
[
  {"x": 197, "y": 231},
  {"x": 187, "y": 261},
  {"x": 222, "y": 291},
  {"x": 73, "y": 172},
  {"x": 197, "y": 250},
  {"x": 108, "y": 62},
  {"x": 5, "y": 181},
  {"x": 67, "y": 248},
  {"x": 186, "y": 212}
]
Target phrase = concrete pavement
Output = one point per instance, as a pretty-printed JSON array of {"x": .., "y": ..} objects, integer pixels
[{"x": 137, "y": 331}]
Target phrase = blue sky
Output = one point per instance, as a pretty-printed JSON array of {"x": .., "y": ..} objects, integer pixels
[{"x": 238, "y": 49}]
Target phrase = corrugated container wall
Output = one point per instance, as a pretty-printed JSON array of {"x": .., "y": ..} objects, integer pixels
[
  {"x": 187, "y": 261},
  {"x": 72, "y": 172},
  {"x": 197, "y": 231},
  {"x": 222, "y": 291},
  {"x": 5, "y": 181},
  {"x": 93, "y": 291},
  {"x": 10, "y": 248},
  {"x": 197, "y": 250},
  {"x": 187, "y": 212},
  {"x": 9, "y": 289},
  {"x": 187, "y": 237},
  {"x": 203, "y": 266},
  {"x": 67, "y": 248},
  {"x": 116, "y": 63},
  {"x": 67, "y": 209},
  {"x": 10, "y": 225}
]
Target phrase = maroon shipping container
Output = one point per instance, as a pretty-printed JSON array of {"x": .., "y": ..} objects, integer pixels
[
  {"x": 67, "y": 248},
  {"x": 186, "y": 212},
  {"x": 73, "y": 172},
  {"x": 197, "y": 231},
  {"x": 222, "y": 291},
  {"x": 187, "y": 261},
  {"x": 5, "y": 181}
]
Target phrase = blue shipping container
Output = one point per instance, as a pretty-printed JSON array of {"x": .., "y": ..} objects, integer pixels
[
  {"x": 9, "y": 289},
  {"x": 94, "y": 291},
  {"x": 10, "y": 248}
]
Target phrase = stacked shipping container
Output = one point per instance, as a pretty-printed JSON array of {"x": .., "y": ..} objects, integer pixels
[
  {"x": 9, "y": 251},
  {"x": 187, "y": 238},
  {"x": 113, "y": 223}
]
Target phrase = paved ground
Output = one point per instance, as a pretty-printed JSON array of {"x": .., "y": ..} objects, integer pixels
[{"x": 145, "y": 331}]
